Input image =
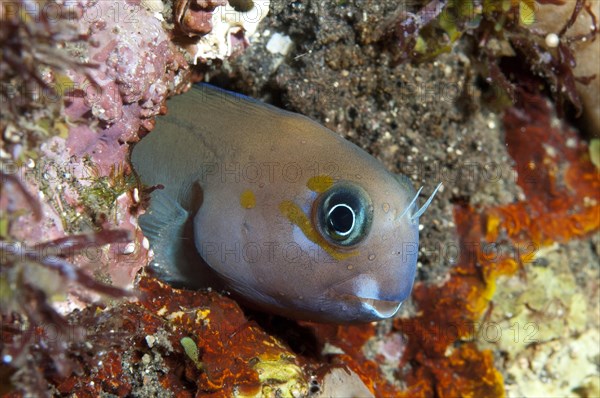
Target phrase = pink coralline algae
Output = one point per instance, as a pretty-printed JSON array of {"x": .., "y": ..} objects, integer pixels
[
  {"x": 136, "y": 68},
  {"x": 109, "y": 68},
  {"x": 100, "y": 72}
]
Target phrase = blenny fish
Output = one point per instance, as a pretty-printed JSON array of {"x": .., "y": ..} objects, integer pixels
[{"x": 278, "y": 210}]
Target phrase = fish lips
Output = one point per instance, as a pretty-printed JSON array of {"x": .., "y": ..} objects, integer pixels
[{"x": 367, "y": 298}]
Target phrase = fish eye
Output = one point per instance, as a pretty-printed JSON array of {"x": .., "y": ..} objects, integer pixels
[{"x": 344, "y": 214}]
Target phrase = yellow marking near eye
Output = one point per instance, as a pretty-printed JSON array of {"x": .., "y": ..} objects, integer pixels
[
  {"x": 295, "y": 215},
  {"x": 247, "y": 199},
  {"x": 320, "y": 183}
]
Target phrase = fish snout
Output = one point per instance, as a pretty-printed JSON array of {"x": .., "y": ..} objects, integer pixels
[{"x": 374, "y": 299}]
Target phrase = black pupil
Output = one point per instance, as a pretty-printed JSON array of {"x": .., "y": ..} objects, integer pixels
[
  {"x": 341, "y": 219},
  {"x": 343, "y": 214}
]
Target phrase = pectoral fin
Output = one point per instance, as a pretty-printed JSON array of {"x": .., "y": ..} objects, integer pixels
[{"x": 168, "y": 227}]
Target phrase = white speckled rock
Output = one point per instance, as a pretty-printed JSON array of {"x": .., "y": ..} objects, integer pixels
[{"x": 343, "y": 383}]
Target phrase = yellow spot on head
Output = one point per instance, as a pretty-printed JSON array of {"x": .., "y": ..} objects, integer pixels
[
  {"x": 320, "y": 183},
  {"x": 247, "y": 199},
  {"x": 295, "y": 215}
]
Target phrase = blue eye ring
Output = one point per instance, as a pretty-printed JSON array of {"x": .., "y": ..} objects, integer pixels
[{"x": 344, "y": 214}]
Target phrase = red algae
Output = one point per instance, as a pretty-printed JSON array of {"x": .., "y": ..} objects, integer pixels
[
  {"x": 229, "y": 345},
  {"x": 562, "y": 203},
  {"x": 467, "y": 372},
  {"x": 138, "y": 346},
  {"x": 560, "y": 182}
]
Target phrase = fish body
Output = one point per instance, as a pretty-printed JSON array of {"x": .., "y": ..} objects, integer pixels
[{"x": 286, "y": 214}]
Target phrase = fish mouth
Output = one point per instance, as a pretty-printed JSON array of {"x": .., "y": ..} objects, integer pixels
[
  {"x": 381, "y": 308},
  {"x": 365, "y": 294}
]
